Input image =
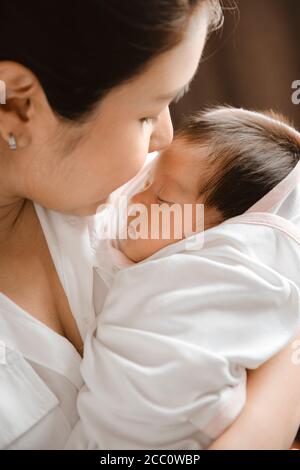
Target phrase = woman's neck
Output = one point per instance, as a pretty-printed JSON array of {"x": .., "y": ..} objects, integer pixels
[{"x": 12, "y": 215}]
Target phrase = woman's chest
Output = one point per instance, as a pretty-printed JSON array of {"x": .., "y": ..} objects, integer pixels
[{"x": 28, "y": 277}]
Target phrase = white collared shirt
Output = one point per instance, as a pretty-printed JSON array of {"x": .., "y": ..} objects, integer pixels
[{"x": 39, "y": 369}]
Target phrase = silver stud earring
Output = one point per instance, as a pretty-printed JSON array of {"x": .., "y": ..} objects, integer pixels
[{"x": 12, "y": 142}]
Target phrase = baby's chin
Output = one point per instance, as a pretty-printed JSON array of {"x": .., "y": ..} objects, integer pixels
[
  {"x": 129, "y": 249},
  {"x": 141, "y": 249}
]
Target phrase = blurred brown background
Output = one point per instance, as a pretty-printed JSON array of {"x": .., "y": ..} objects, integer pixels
[{"x": 252, "y": 62}]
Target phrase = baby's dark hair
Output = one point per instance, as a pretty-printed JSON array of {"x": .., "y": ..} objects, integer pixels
[{"x": 252, "y": 152}]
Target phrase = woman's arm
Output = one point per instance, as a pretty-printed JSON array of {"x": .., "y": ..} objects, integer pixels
[{"x": 271, "y": 416}]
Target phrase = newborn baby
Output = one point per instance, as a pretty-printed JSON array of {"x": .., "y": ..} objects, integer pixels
[
  {"x": 226, "y": 159},
  {"x": 165, "y": 366}
]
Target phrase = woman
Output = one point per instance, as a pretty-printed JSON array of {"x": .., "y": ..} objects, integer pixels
[{"x": 88, "y": 89}]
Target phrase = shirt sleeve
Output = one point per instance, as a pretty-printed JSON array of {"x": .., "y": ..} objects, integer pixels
[{"x": 169, "y": 353}]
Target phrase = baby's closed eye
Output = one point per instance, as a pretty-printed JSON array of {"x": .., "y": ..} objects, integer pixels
[{"x": 163, "y": 201}]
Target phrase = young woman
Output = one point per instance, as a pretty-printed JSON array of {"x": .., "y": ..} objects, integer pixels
[{"x": 88, "y": 88}]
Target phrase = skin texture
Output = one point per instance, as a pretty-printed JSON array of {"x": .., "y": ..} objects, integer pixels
[
  {"x": 73, "y": 168},
  {"x": 175, "y": 179},
  {"x": 52, "y": 159}
]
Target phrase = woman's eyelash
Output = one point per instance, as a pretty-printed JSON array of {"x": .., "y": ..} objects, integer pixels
[
  {"x": 148, "y": 120},
  {"x": 175, "y": 100}
]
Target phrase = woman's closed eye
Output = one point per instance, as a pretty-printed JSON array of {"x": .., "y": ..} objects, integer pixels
[
  {"x": 148, "y": 120},
  {"x": 152, "y": 120}
]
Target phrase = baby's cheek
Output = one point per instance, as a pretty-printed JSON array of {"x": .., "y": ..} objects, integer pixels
[
  {"x": 161, "y": 233},
  {"x": 137, "y": 250},
  {"x": 140, "y": 249}
]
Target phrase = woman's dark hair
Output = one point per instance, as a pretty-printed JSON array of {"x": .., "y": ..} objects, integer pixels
[
  {"x": 248, "y": 154},
  {"x": 79, "y": 50}
]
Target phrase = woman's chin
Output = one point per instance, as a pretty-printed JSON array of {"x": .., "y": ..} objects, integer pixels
[{"x": 89, "y": 210}]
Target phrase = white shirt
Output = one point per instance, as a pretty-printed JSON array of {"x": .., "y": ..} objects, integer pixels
[
  {"x": 40, "y": 376},
  {"x": 39, "y": 369},
  {"x": 165, "y": 363}
]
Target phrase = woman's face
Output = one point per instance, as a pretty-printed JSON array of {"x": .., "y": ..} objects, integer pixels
[{"x": 73, "y": 169}]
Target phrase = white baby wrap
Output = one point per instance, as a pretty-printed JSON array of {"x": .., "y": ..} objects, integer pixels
[{"x": 165, "y": 364}]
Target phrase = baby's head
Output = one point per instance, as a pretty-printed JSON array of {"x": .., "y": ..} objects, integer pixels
[{"x": 224, "y": 158}]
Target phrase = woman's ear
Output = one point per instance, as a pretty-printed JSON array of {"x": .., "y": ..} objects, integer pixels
[{"x": 20, "y": 88}]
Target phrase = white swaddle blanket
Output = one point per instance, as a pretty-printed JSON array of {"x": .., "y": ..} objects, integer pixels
[{"x": 165, "y": 365}]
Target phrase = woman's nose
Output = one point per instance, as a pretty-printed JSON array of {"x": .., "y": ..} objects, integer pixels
[{"x": 163, "y": 132}]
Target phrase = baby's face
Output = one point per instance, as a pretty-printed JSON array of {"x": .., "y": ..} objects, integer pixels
[{"x": 170, "y": 203}]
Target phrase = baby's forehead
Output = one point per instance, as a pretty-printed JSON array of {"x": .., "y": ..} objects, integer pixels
[
  {"x": 183, "y": 144},
  {"x": 183, "y": 151},
  {"x": 184, "y": 161}
]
